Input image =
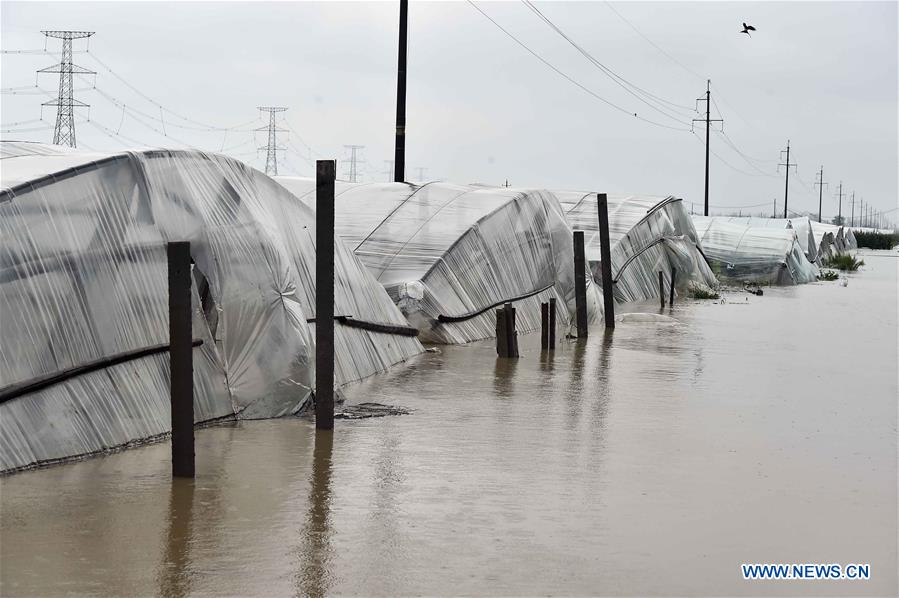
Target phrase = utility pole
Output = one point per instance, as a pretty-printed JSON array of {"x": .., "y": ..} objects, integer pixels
[
  {"x": 399, "y": 171},
  {"x": 421, "y": 172},
  {"x": 852, "y": 212},
  {"x": 352, "y": 173},
  {"x": 787, "y": 184},
  {"x": 820, "y": 184},
  {"x": 388, "y": 170},
  {"x": 708, "y": 120},
  {"x": 64, "y": 133},
  {"x": 774, "y": 212},
  {"x": 840, "y": 208},
  {"x": 271, "y": 148},
  {"x": 507, "y": 184}
]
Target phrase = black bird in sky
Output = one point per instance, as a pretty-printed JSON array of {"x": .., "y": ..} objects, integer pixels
[{"x": 747, "y": 29}]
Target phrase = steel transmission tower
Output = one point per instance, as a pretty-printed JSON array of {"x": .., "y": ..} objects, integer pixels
[
  {"x": 64, "y": 133},
  {"x": 352, "y": 162},
  {"x": 271, "y": 148}
]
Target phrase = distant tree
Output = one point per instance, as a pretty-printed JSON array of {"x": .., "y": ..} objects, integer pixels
[{"x": 838, "y": 220}]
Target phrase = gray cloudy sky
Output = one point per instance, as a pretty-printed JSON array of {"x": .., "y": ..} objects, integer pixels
[{"x": 481, "y": 108}]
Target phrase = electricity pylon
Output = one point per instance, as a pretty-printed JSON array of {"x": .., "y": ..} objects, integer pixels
[
  {"x": 271, "y": 148},
  {"x": 64, "y": 133}
]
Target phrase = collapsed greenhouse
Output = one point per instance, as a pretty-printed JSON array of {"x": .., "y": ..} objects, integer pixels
[
  {"x": 84, "y": 365},
  {"x": 756, "y": 254},
  {"x": 829, "y": 240},
  {"x": 647, "y": 235},
  {"x": 448, "y": 253},
  {"x": 801, "y": 224}
]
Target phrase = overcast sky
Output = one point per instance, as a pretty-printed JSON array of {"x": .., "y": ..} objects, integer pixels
[{"x": 480, "y": 107}]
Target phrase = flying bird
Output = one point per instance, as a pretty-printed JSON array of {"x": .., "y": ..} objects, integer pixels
[{"x": 747, "y": 29}]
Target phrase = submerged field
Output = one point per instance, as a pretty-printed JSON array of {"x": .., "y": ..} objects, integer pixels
[{"x": 653, "y": 460}]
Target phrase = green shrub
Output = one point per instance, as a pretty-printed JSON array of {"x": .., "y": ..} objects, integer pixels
[
  {"x": 828, "y": 275},
  {"x": 844, "y": 261},
  {"x": 700, "y": 291},
  {"x": 872, "y": 240}
]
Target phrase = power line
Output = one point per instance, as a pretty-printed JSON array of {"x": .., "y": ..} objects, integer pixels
[
  {"x": 617, "y": 79},
  {"x": 654, "y": 45},
  {"x": 569, "y": 78}
]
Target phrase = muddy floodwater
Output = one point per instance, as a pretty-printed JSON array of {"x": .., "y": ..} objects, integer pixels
[{"x": 652, "y": 461}]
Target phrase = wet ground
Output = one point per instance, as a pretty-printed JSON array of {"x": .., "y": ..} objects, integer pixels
[{"x": 652, "y": 461}]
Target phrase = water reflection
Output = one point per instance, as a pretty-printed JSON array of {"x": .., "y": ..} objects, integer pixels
[
  {"x": 316, "y": 552},
  {"x": 504, "y": 376},
  {"x": 174, "y": 575}
]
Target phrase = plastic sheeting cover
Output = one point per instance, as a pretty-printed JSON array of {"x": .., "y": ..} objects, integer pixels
[
  {"x": 83, "y": 277},
  {"x": 647, "y": 235},
  {"x": 753, "y": 253},
  {"x": 455, "y": 250}
]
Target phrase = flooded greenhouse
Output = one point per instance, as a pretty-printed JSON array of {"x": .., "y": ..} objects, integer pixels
[
  {"x": 742, "y": 252},
  {"x": 647, "y": 235},
  {"x": 448, "y": 253},
  {"x": 83, "y": 238}
]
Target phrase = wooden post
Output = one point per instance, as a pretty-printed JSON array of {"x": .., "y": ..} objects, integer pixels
[
  {"x": 325, "y": 171},
  {"x": 608, "y": 293},
  {"x": 662, "y": 288},
  {"x": 511, "y": 334},
  {"x": 552, "y": 324},
  {"x": 181, "y": 359},
  {"x": 544, "y": 326},
  {"x": 502, "y": 339},
  {"x": 671, "y": 293},
  {"x": 580, "y": 284}
]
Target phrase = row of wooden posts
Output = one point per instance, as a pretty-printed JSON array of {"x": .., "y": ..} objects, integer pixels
[{"x": 181, "y": 333}]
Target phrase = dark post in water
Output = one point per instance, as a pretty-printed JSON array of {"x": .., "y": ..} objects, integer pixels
[
  {"x": 580, "y": 284},
  {"x": 552, "y": 324},
  {"x": 511, "y": 333},
  {"x": 671, "y": 292},
  {"x": 502, "y": 339},
  {"x": 544, "y": 326},
  {"x": 605, "y": 255},
  {"x": 325, "y": 171},
  {"x": 181, "y": 364},
  {"x": 662, "y": 288},
  {"x": 399, "y": 156}
]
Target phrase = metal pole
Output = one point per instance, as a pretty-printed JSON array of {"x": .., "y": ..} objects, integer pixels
[
  {"x": 605, "y": 255},
  {"x": 325, "y": 172},
  {"x": 399, "y": 157},
  {"x": 181, "y": 359},
  {"x": 580, "y": 284},
  {"x": 840, "y": 209}
]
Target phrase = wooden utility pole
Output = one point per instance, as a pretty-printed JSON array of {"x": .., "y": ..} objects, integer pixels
[
  {"x": 708, "y": 120},
  {"x": 840, "y": 208},
  {"x": 820, "y": 184},
  {"x": 787, "y": 183},
  {"x": 399, "y": 157}
]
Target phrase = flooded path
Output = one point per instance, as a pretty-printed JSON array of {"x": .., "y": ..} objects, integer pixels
[{"x": 652, "y": 461}]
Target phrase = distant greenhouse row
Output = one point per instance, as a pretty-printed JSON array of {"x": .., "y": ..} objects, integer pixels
[{"x": 83, "y": 280}]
